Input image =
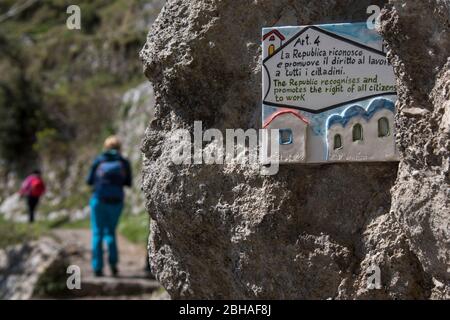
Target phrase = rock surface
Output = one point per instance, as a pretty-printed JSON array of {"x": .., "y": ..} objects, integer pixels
[
  {"x": 14, "y": 208},
  {"x": 310, "y": 232},
  {"x": 421, "y": 195},
  {"x": 132, "y": 283},
  {"x": 38, "y": 269},
  {"x": 23, "y": 266},
  {"x": 137, "y": 111}
]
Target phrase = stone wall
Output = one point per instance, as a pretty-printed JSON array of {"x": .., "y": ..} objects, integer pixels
[
  {"x": 310, "y": 232},
  {"x": 418, "y": 35}
]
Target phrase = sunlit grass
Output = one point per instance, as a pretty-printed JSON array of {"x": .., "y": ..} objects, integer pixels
[
  {"x": 12, "y": 233},
  {"x": 135, "y": 227}
]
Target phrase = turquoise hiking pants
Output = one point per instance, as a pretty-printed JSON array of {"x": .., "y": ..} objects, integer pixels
[{"x": 104, "y": 220}]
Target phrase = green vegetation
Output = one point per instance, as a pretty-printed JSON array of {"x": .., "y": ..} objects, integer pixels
[
  {"x": 132, "y": 227},
  {"x": 15, "y": 233},
  {"x": 79, "y": 224},
  {"x": 60, "y": 88},
  {"x": 60, "y": 91},
  {"x": 19, "y": 103},
  {"x": 72, "y": 202},
  {"x": 53, "y": 282},
  {"x": 135, "y": 227}
]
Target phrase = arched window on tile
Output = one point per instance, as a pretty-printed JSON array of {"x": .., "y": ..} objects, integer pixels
[
  {"x": 337, "y": 141},
  {"x": 286, "y": 136},
  {"x": 383, "y": 127},
  {"x": 357, "y": 132},
  {"x": 271, "y": 49}
]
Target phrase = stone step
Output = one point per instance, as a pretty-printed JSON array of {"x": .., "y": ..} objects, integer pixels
[{"x": 110, "y": 287}]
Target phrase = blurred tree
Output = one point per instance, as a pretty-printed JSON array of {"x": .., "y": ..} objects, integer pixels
[{"x": 20, "y": 109}]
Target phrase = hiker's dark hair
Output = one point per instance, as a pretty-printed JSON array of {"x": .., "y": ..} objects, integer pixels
[{"x": 36, "y": 171}]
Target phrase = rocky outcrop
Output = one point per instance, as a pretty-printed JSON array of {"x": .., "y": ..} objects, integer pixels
[
  {"x": 14, "y": 208},
  {"x": 136, "y": 111},
  {"x": 419, "y": 50},
  {"x": 26, "y": 268},
  {"x": 311, "y": 232}
]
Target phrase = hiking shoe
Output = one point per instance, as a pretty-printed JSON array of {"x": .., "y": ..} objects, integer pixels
[
  {"x": 114, "y": 271},
  {"x": 98, "y": 273}
]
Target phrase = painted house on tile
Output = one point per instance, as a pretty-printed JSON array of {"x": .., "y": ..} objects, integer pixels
[
  {"x": 292, "y": 128},
  {"x": 362, "y": 135},
  {"x": 272, "y": 41}
]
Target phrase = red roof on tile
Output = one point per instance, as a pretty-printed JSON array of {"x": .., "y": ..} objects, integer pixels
[
  {"x": 284, "y": 111},
  {"x": 276, "y": 32}
]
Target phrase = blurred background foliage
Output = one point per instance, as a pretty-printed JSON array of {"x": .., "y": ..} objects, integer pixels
[{"x": 60, "y": 89}]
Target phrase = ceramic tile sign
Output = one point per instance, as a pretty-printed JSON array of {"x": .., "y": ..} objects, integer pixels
[{"x": 330, "y": 92}]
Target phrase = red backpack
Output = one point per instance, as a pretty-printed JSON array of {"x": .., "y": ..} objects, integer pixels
[{"x": 37, "y": 187}]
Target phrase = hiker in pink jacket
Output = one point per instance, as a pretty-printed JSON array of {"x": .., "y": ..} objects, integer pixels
[{"x": 32, "y": 189}]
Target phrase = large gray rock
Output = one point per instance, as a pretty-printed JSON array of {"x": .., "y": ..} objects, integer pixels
[
  {"x": 23, "y": 267},
  {"x": 137, "y": 110},
  {"x": 419, "y": 46},
  {"x": 14, "y": 208},
  {"x": 228, "y": 232}
]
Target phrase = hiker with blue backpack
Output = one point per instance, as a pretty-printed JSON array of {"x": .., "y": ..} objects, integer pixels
[{"x": 109, "y": 173}]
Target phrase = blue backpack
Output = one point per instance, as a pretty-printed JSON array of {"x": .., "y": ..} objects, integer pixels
[
  {"x": 111, "y": 173},
  {"x": 110, "y": 176}
]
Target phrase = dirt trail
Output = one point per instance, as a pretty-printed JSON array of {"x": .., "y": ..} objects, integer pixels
[{"x": 132, "y": 283}]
